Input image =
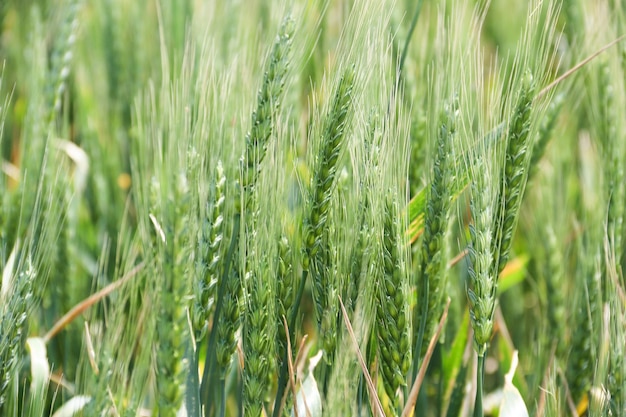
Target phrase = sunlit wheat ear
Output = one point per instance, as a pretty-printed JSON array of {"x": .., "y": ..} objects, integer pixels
[
  {"x": 608, "y": 126},
  {"x": 584, "y": 338},
  {"x": 174, "y": 264},
  {"x": 209, "y": 254},
  {"x": 392, "y": 324},
  {"x": 285, "y": 290},
  {"x": 62, "y": 58},
  {"x": 259, "y": 338},
  {"x": 333, "y": 141},
  {"x": 17, "y": 297},
  {"x": 518, "y": 146},
  {"x": 481, "y": 291},
  {"x": 616, "y": 378},
  {"x": 555, "y": 291},
  {"x": 432, "y": 279},
  {"x": 545, "y": 132},
  {"x": 269, "y": 100}
]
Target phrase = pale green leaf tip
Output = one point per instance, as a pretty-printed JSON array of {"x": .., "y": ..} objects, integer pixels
[{"x": 39, "y": 366}]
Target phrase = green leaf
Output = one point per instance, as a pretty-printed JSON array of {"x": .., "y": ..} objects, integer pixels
[{"x": 453, "y": 358}]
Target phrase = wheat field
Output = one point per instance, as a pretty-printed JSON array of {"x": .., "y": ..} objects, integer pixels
[{"x": 312, "y": 208}]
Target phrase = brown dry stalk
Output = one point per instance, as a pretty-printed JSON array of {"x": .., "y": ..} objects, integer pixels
[
  {"x": 300, "y": 359},
  {"x": 370, "y": 384},
  {"x": 568, "y": 397},
  {"x": 458, "y": 258},
  {"x": 91, "y": 353},
  {"x": 79, "y": 308},
  {"x": 578, "y": 66},
  {"x": 292, "y": 378},
  {"x": 415, "y": 389},
  {"x": 541, "y": 404}
]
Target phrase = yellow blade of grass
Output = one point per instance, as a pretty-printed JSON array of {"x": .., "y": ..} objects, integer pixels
[
  {"x": 415, "y": 389},
  {"x": 370, "y": 384},
  {"x": 417, "y": 206},
  {"x": 513, "y": 273},
  {"x": 578, "y": 66}
]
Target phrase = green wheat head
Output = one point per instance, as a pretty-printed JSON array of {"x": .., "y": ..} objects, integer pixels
[
  {"x": 210, "y": 254},
  {"x": 392, "y": 321},
  {"x": 433, "y": 269},
  {"x": 333, "y": 139}
]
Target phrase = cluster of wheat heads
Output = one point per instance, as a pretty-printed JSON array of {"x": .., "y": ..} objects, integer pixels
[{"x": 332, "y": 208}]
